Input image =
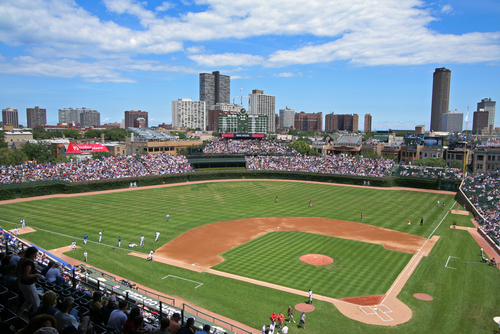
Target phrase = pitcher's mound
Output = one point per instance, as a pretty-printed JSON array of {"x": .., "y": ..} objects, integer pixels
[
  {"x": 316, "y": 259},
  {"x": 303, "y": 307},
  {"x": 423, "y": 296}
]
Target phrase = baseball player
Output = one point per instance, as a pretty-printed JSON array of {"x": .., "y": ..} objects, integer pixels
[
  {"x": 157, "y": 235},
  {"x": 85, "y": 255},
  {"x": 85, "y": 237},
  {"x": 119, "y": 241},
  {"x": 73, "y": 244},
  {"x": 276, "y": 200},
  {"x": 150, "y": 256},
  {"x": 142, "y": 241},
  {"x": 22, "y": 223},
  {"x": 310, "y": 296},
  {"x": 100, "y": 236},
  {"x": 168, "y": 216}
]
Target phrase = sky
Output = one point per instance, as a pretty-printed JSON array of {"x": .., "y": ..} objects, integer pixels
[{"x": 345, "y": 57}]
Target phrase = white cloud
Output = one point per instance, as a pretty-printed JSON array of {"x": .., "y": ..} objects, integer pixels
[
  {"x": 164, "y": 7},
  {"x": 446, "y": 9},
  {"x": 288, "y": 74},
  {"x": 363, "y": 32},
  {"x": 106, "y": 119},
  {"x": 227, "y": 59}
]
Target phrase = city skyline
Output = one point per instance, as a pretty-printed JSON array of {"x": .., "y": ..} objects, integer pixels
[{"x": 120, "y": 55}]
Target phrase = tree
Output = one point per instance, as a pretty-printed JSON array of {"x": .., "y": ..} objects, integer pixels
[
  {"x": 302, "y": 147},
  {"x": 3, "y": 144},
  {"x": 115, "y": 134},
  {"x": 215, "y": 134},
  {"x": 11, "y": 157},
  {"x": 40, "y": 151},
  {"x": 71, "y": 134},
  {"x": 93, "y": 134},
  {"x": 293, "y": 132}
]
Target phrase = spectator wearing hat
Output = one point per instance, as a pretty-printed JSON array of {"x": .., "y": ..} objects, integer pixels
[
  {"x": 206, "y": 330},
  {"x": 164, "y": 324},
  {"x": 174, "y": 326}
]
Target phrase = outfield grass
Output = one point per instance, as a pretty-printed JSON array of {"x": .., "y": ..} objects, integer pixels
[
  {"x": 465, "y": 299},
  {"x": 356, "y": 270}
]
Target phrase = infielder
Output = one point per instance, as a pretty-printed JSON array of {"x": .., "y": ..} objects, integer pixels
[
  {"x": 22, "y": 223},
  {"x": 100, "y": 236},
  {"x": 142, "y": 241},
  {"x": 168, "y": 216},
  {"x": 85, "y": 237},
  {"x": 119, "y": 241},
  {"x": 85, "y": 255},
  {"x": 157, "y": 235},
  {"x": 150, "y": 257}
]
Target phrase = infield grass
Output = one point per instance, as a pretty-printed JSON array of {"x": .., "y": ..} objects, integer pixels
[{"x": 465, "y": 299}]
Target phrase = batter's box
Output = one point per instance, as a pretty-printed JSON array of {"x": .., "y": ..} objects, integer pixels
[
  {"x": 368, "y": 310},
  {"x": 383, "y": 308}
]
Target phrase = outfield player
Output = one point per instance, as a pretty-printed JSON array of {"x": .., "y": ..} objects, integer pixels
[
  {"x": 157, "y": 235},
  {"x": 119, "y": 241},
  {"x": 422, "y": 222},
  {"x": 131, "y": 245},
  {"x": 276, "y": 200},
  {"x": 310, "y": 204},
  {"x": 142, "y": 241},
  {"x": 310, "y": 296},
  {"x": 168, "y": 216},
  {"x": 85, "y": 255},
  {"x": 150, "y": 256},
  {"x": 85, "y": 237},
  {"x": 22, "y": 223},
  {"x": 100, "y": 236},
  {"x": 362, "y": 217}
]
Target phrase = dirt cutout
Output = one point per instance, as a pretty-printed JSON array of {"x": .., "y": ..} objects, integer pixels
[{"x": 316, "y": 259}]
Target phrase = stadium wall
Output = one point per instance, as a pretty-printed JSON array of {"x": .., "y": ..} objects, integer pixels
[{"x": 25, "y": 190}]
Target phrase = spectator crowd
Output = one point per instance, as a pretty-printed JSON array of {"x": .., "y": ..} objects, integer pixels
[
  {"x": 483, "y": 190},
  {"x": 250, "y": 146},
  {"x": 96, "y": 169},
  {"x": 430, "y": 172},
  {"x": 330, "y": 164}
]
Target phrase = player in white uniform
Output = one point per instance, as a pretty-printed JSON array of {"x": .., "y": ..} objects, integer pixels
[
  {"x": 150, "y": 257},
  {"x": 73, "y": 244},
  {"x": 157, "y": 235},
  {"x": 22, "y": 223},
  {"x": 310, "y": 296},
  {"x": 168, "y": 216},
  {"x": 85, "y": 255},
  {"x": 100, "y": 236},
  {"x": 142, "y": 241}
]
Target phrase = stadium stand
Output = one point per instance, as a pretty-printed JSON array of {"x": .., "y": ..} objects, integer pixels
[
  {"x": 95, "y": 294},
  {"x": 429, "y": 172}
]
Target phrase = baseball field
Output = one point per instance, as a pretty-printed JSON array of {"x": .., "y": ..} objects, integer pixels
[{"x": 465, "y": 292}]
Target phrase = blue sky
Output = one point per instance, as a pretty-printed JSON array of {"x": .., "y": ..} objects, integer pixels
[{"x": 356, "y": 56}]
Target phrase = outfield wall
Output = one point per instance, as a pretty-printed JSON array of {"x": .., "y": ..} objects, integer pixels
[{"x": 26, "y": 190}]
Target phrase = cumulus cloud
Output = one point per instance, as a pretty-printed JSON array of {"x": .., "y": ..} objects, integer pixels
[
  {"x": 363, "y": 32},
  {"x": 106, "y": 119},
  {"x": 288, "y": 74},
  {"x": 227, "y": 59}
]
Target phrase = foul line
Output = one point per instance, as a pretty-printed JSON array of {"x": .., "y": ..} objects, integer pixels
[
  {"x": 185, "y": 279},
  {"x": 450, "y": 257}
]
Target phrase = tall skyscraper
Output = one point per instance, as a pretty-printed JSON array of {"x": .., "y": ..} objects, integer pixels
[
  {"x": 214, "y": 88},
  {"x": 10, "y": 116},
  {"x": 440, "y": 97},
  {"x": 189, "y": 114},
  {"x": 489, "y": 106},
  {"x": 132, "y": 115},
  {"x": 308, "y": 121},
  {"x": 36, "y": 117},
  {"x": 480, "y": 121},
  {"x": 368, "y": 123},
  {"x": 262, "y": 104},
  {"x": 90, "y": 118},
  {"x": 287, "y": 117}
]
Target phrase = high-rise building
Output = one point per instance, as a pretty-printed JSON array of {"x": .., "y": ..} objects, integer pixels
[
  {"x": 219, "y": 109},
  {"x": 329, "y": 122},
  {"x": 36, "y": 117},
  {"x": 480, "y": 121},
  {"x": 71, "y": 115},
  {"x": 90, "y": 118},
  {"x": 368, "y": 123},
  {"x": 346, "y": 122},
  {"x": 10, "y": 116},
  {"x": 214, "y": 88},
  {"x": 308, "y": 121},
  {"x": 489, "y": 106},
  {"x": 262, "y": 104},
  {"x": 132, "y": 115},
  {"x": 189, "y": 114},
  {"x": 453, "y": 121},
  {"x": 287, "y": 118},
  {"x": 440, "y": 97}
]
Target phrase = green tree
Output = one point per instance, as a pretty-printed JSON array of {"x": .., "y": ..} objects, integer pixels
[
  {"x": 71, "y": 133},
  {"x": 302, "y": 147},
  {"x": 180, "y": 134},
  {"x": 40, "y": 151},
  {"x": 11, "y": 157},
  {"x": 115, "y": 134},
  {"x": 3, "y": 144},
  {"x": 215, "y": 134},
  {"x": 293, "y": 132},
  {"x": 93, "y": 134}
]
